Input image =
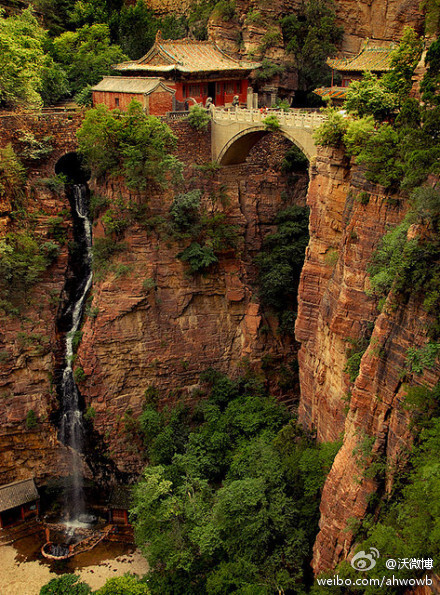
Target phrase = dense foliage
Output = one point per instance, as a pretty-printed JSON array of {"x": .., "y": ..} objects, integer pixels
[
  {"x": 21, "y": 59},
  {"x": 229, "y": 503},
  {"x": 23, "y": 259},
  {"x": 311, "y": 36},
  {"x": 280, "y": 263},
  {"x": 128, "y": 144},
  {"x": 70, "y": 584}
]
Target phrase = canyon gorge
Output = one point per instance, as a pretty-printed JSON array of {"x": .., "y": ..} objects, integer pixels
[{"x": 143, "y": 325}]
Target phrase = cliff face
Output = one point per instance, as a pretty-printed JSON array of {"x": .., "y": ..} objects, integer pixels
[
  {"x": 153, "y": 324},
  {"x": 28, "y": 341},
  {"x": 165, "y": 333},
  {"x": 373, "y": 19},
  {"x": 334, "y": 311}
]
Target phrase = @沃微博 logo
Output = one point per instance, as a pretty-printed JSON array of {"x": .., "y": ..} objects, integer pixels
[{"x": 363, "y": 561}]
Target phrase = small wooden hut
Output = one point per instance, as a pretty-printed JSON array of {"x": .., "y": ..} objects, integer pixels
[{"x": 19, "y": 501}]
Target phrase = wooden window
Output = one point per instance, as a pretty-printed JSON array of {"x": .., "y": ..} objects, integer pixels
[
  {"x": 117, "y": 101},
  {"x": 230, "y": 87}
]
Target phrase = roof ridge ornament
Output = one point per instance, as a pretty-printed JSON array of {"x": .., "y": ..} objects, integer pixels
[{"x": 159, "y": 37}]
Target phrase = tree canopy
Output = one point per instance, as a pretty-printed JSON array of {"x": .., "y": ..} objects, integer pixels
[{"x": 21, "y": 59}]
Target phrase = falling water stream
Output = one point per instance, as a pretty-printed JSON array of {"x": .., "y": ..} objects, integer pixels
[{"x": 71, "y": 425}]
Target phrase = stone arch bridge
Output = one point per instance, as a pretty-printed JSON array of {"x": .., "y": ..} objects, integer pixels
[{"x": 235, "y": 131}]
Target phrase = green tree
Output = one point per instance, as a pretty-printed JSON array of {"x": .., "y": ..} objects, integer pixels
[
  {"x": 86, "y": 55},
  {"x": 66, "y": 584},
  {"x": 54, "y": 83},
  {"x": 370, "y": 96},
  {"x": 311, "y": 36},
  {"x": 236, "y": 508},
  {"x": 280, "y": 263},
  {"x": 430, "y": 86},
  {"x": 404, "y": 60},
  {"x": 332, "y": 131},
  {"x": 131, "y": 144},
  {"x": 21, "y": 59}
]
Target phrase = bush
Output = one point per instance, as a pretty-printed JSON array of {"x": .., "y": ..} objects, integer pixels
[
  {"x": 370, "y": 97},
  {"x": 31, "y": 420},
  {"x": 332, "y": 131},
  {"x": 199, "y": 258},
  {"x": 12, "y": 176},
  {"x": 214, "y": 515},
  {"x": 199, "y": 117},
  {"x": 123, "y": 585},
  {"x": 23, "y": 259},
  {"x": 66, "y": 584},
  {"x": 382, "y": 157},
  {"x": 281, "y": 260},
  {"x": 271, "y": 123},
  {"x": 185, "y": 210},
  {"x": 294, "y": 161},
  {"x": 358, "y": 134},
  {"x": 132, "y": 145}
]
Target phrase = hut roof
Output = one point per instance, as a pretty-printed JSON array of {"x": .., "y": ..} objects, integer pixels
[
  {"x": 128, "y": 84},
  {"x": 17, "y": 493},
  {"x": 186, "y": 56}
]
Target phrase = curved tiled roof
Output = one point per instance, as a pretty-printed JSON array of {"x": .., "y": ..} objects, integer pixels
[
  {"x": 369, "y": 59},
  {"x": 332, "y": 92},
  {"x": 186, "y": 56}
]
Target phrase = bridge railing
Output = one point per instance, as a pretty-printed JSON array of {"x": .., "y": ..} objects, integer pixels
[{"x": 292, "y": 118}]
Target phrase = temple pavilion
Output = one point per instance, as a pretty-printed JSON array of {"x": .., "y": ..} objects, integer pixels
[
  {"x": 194, "y": 70},
  {"x": 370, "y": 59}
]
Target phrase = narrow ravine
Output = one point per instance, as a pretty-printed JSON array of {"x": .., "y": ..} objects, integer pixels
[{"x": 71, "y": 420}]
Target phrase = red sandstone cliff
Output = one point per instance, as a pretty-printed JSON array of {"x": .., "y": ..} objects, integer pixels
[{"x": 334, "y": 308}]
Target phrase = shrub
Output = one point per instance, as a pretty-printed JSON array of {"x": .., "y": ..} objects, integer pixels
[
  {"x": 268, "y": 70},
  {"x": 66, "y": 584},
  {"x": 123, "y": 585},
  {"x": 358, "y": 133},
  {"x": 132, "y": 144},
  {"x": 199, "y": 258},
  {"x": 332, "y": 131},
  {"x": 212, "y": 514},
  {"x": 271, "y": 123},
  {"x": 12, "y": 175},
  {"x": 225, "y": 9},
  {"x": 281, "y": 260},
  {"x": 370, "y": 97},
  {"x": 35, "y": 149},
  {"x": 382, "y": 157},
  {"x": 103, "y": 249},
  {"x": 199, "y": 117},
  {"x": 185, "y": 210},
  {"x": 79, "y": 375},
  {"x": 294, "y": 161},
  {"x": 23, "y": 259},
  {"x": 31, "y": 420}
]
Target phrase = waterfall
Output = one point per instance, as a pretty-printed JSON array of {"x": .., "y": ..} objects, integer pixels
[{"x": 71, "y": 426}]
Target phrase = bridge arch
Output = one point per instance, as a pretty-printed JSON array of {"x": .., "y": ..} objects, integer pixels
[
  {"x": 235, "y": 132},
  {"x": 237, "y": 148}
]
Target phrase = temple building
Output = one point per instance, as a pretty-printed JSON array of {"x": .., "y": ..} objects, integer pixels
[
  {"x": 370, "y": 59},
  {"x": 19, "y": 501},
  {"x": 118, "y": 91},
  {"x": 194, "y": 70}
]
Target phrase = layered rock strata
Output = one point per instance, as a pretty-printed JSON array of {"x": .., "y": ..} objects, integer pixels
[{"x": 348, "y": 217}]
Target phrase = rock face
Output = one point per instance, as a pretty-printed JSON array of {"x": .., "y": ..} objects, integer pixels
[
  {"x": 379, "y": 21},
  {"x": 158, "y": 326},
  {"x": 347, "y": 219},
  {"x": 29, "y": 342},
  {"x": 153, "y": 323}
]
